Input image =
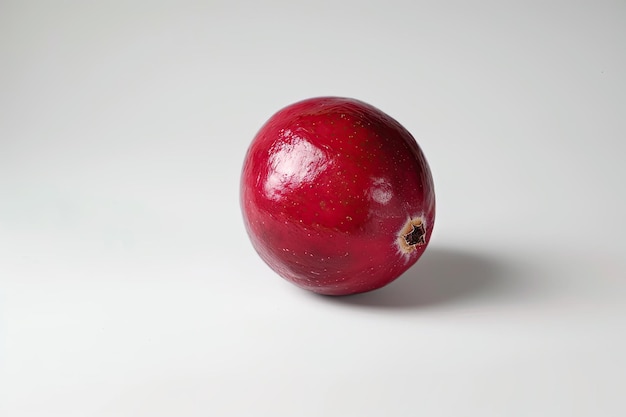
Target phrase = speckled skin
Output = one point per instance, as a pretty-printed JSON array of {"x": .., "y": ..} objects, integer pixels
[{"x": 328, "y": 190}]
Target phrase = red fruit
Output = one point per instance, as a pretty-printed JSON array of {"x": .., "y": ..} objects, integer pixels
[{"x": 337, "y": 196}]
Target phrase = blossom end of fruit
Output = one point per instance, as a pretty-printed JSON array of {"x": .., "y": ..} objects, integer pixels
[{"x": 412, "y": 235}]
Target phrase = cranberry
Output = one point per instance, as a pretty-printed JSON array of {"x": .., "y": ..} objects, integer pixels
[{"x": 337, "y": 196}]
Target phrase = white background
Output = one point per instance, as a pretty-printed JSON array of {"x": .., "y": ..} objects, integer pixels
[{"x": 128, "y": 286}]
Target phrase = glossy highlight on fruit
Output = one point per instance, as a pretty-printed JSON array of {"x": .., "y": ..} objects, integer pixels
[{"x": 336, "y": 196}]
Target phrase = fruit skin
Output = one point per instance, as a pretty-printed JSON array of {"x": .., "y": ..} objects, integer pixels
[{"x": 336, "y": 196}]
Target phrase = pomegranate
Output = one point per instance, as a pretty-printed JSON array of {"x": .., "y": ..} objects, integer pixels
[{"x": 337, "y": 197}]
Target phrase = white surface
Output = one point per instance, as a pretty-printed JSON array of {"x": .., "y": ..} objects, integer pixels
[{"x": 127, "y": 283}]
